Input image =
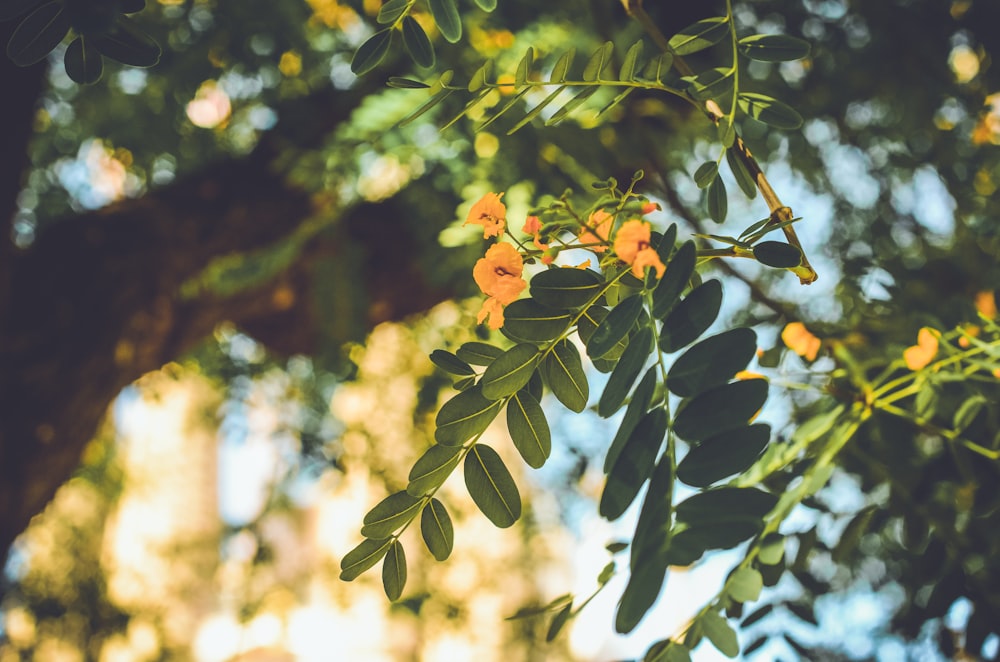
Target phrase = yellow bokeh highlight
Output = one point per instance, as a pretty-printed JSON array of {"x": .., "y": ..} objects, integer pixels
[
  {"x": 486, "y": 145},
  {"x": 964, "y": 63},
  {"x": 798, "y": 338},
  {"x": 290, "y": 64}
]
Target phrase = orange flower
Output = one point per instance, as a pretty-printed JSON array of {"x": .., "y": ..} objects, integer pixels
[
  {"x": 986, "y": 304},
  {"x": 490, "y": 213},
  {"x": 498, "y": 275},
  {"x": 797, "y": 338},
  {"x": 596, "y": 231},
  {"x": 632, "y": 247},
  {"x": 919, "y": 355},
  {"x": 649, "y": 208},
  {"x": 532, "y": 226}
]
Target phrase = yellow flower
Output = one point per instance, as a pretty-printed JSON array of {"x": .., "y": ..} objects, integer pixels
[
  {"x": 797, "y": 338},
  {"x": 498, "y": 275},
  {"x": 919, "y": 355},
  {"x": 490, "y": 213},
  {"x": 632, "y": 247},
  {"x": 596, "y": 231}
]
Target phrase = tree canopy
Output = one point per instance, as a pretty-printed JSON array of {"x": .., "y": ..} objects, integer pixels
[{"x": 782, "y": 216}]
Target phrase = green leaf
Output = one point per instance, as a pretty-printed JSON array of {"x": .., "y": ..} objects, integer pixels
[
  {"x": 40, "y": 32},
  {"x": 487, "y": 5},
  {"x": 417, "y": 44},
  {"x": 450, "y": 363},
  {"x": 371, "y": 53},
  {"x": 741, "y": 174},
  {"x": 534, "y": 112},
  {"x": 627, "y": 71},
  {"x": 437, "y": 530},
  {"x": 363, "y": 557},
  {"x": 726, "y": 131},
  {"x": 712, "y": 361},
  {"x": 445, "y": 13},
  {"x": 711, "y": 84},
  {"x": 777, "y": 254},
  {"x": 720, "y": 634},
  {"x": 524, "y": 67},
  {"x": 598, "y": 61},
  {"x": 725, "y": 504},
  {"x": 817, "y": 426},
  {"x": 394, "y": 571},
  {"x": 432, "y": 468},
  {"x": 127, "y": 44},
  {"x": 571, "y": 105},
  {"x": 745, "y": 585},
  {"x": 465, "y": 416},
  {"x": 769, "y": 111},
  {"x": 658, "y": 67},
  {"x": 481, "y": 77},
  {"x": 615, "y": 326},
  {"x": 633, "y": 465},
  {"x": 756, "y": 616},
  {"x": 852, "y": 534},
  {"x": 967, "y": 412},
  {"x": 528, "y": 428},
  {"x": 491, "y": 487},
  {"x": 637, "y": 408},
  {"x": 566, "y": 288},
  {"x": 699, "y": 36},
  {"x": 526, "y": 319},
  {"x": 563, "y": 371},
  {"x": 406, "y": 83},
  {"x": 587, "y": 325},
  {"x": 692, "y": 316},
  {"x": 724, "y": 454},
  {"x": 478, "y": 353},
  {"x": 390, "y": 514},
  {"x": 623, "y": 376},
  {"x": 650, "y": 539},
  {"x": 674, "y": 279},
  {"x": 392, "y": 10},
  {"x": 640, "y": 593},
  {"x": 510, "y": 371},
  {"x": 558, "y": 622},
  {"x": 717, "y": 201},
  {"x": 774, "y": 47},
  {"x": 537, "y": 610},
  {"x": 719, "y": 409},
  {"x": 561, "y": 67},
  {"x": 772, "y": 550},
  {"x": 706, "y": 173},
  {"x": 84, "y": 64},
  {"x": 674, "y": 652},
  {"x": 436, "y": 99}
]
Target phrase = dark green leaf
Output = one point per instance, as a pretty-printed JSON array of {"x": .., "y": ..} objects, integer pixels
[
  {"x": 692, "y": 316},
  {"x": 725, "y": 504},
  {"x": 563, "y": 372},
  {"x": 437, "y": 530},
  {"x": 769, "y": 111},
  {"x": 509, "y": 372},
  {"x": 719, "y": 409},
  {"x": 637, "y": 408},
  {"x": 598, "y": 61},
  {"x": 650, "y": 539},
  {"x": 526, "y": 319},
  {"x": 658, "y": 67},
  {"x": 674, "y": 279},
  {"x": 481, "y": 77},
  {"x": 674, "y": 652},
  {"x": 587, "y": 325},
  {"x": 491, "y": 487},
  {"x": 718, "y": 203},
  {"x": 391, "y": 11},
  {"x": 487, "y": 5},
  {"x": 558, "y": 621},
  {"x": 712, "y": 361},
  {"x": 777, "y": 254},
  {"x": 623, "y": 376},
  {"x": 720, "y": 634},
  {"x": 524, "y": 67},
  {"x": 556, "y": 603},
  {"x": 450, "y": 363},
  {"x": 40, "y": 32},
  {"x": 478, "y": 353},
  {"x": 634, "y": 464},
  {"x": 561, "y": 67},
  {"x": 615, "y": 326},
  {"x": 406, "y": 83},
  {"x": 390, "y": 514},
  {"x": 536, "y": 111},
  {"x": 432, "y": 469},
  {"x": 372, "y": 52},
  {"x": 745, "y": 585},
  {"x": 627, "y": 70},
  {"x": 700, "y": 35},
  {"x": 723, "y": 455},
  {"x": 465, "y": 416},
  {"x": 967, "y": 412},
  {"x": 528, "y": 428},
  {"x": 394, "y": 571},
  {"x": 851, "y": 536},
  {"x": 711, "y": 84},
  {"x": 84, "y": 64},
  {"x": 774, "y": 47},
  {"x": 129, "y": 45},
  {"x": 566, "y": 288},
  {"x": 446, "y": 16},
  {"x": 726, "y": 131},
  {"x": 706, "y": 173},
  {"x": 741, "y": 174},
  {"x": 756, "y": 616},
  {"x": 417, "y": 44},
  {"x": 643, "y": 588},
  {"x": 363, "y": 557},
  {"x": 571, "y": 105}
]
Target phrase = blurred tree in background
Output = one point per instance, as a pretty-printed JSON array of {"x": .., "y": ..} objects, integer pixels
[{"x": 251, "y": 209}]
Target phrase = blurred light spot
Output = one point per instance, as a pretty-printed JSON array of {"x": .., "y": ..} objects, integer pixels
[
  {"x": 964, "y": 63},
  {"x": 217, "y": 640},
  {"x": 290, "y": 64},
  {"x": 95, "y": 177},
  {"x": 486, "y": 145},
  {"x": 988, "y": 127},
  {"x": 210, "y": 106}
]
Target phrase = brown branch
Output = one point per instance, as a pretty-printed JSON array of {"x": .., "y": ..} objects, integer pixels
[{"x": 779, "y": 212}]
